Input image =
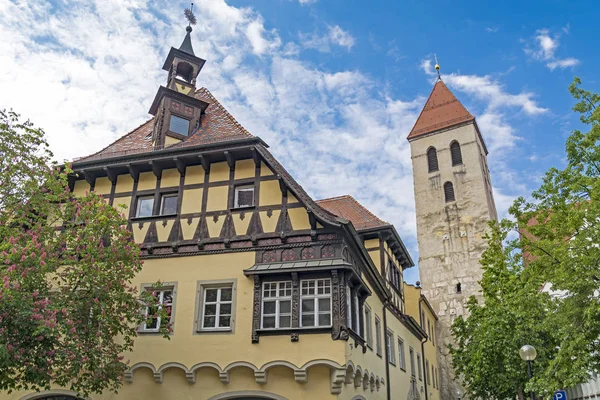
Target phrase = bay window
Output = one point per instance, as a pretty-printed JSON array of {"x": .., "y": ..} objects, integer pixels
[
  {"x": 277, "y": 305},
  {"x": 315, "y": 302}
]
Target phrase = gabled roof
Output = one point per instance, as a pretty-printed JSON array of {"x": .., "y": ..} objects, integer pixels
[
  {"x": 442, "y": 110},
  {"x": 347, "y": 207},
  {"x": 217, "y": 125}
]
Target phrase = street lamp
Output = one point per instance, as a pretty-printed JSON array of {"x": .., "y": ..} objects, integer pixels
[
  {"x": 459, "y": 394},
  {"x": 528, "y": 353}
]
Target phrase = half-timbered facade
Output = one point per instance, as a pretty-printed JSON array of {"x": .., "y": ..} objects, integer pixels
[{"x": 272, "y": 295}]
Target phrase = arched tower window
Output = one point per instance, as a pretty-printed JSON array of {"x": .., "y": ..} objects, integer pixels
[
  {"x": 449, "y": 192},
  {"x": 455, "y": 153},
  {"x": 432, "y": 160}
]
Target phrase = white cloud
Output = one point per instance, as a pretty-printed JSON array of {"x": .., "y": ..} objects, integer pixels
[
  {"x": 304, "y": 2},
  {"x": 543, "y": 47},
  {"x": 491, "y": 30},
  {"x": 335, "y": 36}
]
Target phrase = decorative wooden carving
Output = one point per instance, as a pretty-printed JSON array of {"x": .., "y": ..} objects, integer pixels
[
  {"x": 308, "y": 253},
  {"x": 288, "y": 255},
  {"x": 256, "y": 309},
  {"x": 327, "y": 252},
  {"x": 295, "y": 337},
  {"x": 335, "y": 306},
  {"x": 295, "y": 301}
]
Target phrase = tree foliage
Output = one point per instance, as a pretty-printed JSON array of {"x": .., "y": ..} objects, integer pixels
[
  {"x": 68, "y": 314},
  {"x": 551, "y": 241}
]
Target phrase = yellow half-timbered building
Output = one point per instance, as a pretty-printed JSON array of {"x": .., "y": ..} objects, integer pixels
[{"x": 272, "y": 295}]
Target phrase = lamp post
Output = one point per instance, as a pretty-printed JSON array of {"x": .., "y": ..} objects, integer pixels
[{"x": 528, "y": 353}]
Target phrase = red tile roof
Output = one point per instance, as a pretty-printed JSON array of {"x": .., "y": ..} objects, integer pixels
[
  {"x": 217, "y": 125},
  {"x": 442, "y": 110},
  {"x": 347, "y": 207}
]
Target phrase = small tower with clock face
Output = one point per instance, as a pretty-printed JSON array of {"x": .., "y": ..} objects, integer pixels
[{"x": 176, "y": 110}]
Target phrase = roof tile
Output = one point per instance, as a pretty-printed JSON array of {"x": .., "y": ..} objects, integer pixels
[{"x": 347, "y": 207}]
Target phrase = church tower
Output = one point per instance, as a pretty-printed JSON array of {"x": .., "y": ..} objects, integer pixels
[{"x": 454, "y": 203}]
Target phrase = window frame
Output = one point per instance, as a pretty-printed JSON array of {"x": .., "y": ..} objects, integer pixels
[
  {"x": 428, "y": 376},
  {"x": 458, "y": 159},
  {"x": 277, "y": 299},
  {"x": 201, "y": 287},
  {"x": 390, "y": 348},
  {"x": 368, "y": 326},
  {"x": 401, "y": 354},
  {"x": 411, "y": 352},
  {"x": 419, "y": 366},
  {"x": 448, "y": 192},
  {"x": 164, "y": 196},
  {"x": 316, "y": 297},
  {"x": 243, "y": 187},
  {"x": 432, "y": 151},
  {"x": 138, "y": 206},
  {"x": 378, "y": 349},
  {"x": 189, "y": 123},
  {"x": 166, "y": 286}
]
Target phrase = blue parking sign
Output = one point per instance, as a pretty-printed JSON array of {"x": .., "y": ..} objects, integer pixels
[{"x": 560, "y": 395}]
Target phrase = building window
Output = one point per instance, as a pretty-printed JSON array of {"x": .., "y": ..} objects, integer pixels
[
  {"x": 394, "y": 276},
  {"x": 429, "y": 328},
  {"x": 427, "y": 371},
  {"x": 315, "y": 305},
  {"x": 244, "y": 196},
  {"x": 277, "y": 305},
  {"x": 419, "y": 367},
  {"x": 455, "y": 153},
  {"x": 433, "y": 333},
  {"x": 401, "y": 355},
  {"x": 168, "y": 204},
  {"x": 449, "y": 192},
  {"x": 411, "y": 353},
  {"x": 165, "y": 300},
  {"x": 217, "y": 307},
  {"x": 179, "y": 125},
  {"x": 391, "y": 351},
  {"x": 458, "y": 288},
  {"x": 356, "y": 326},
  {"x": 368, "y": 327},
  {"x": 432, "y": 160},
  {"x": 423, "y": 319},
  {"x": 349, "y": 306},
  {"x": 377, "y": 336},
  {"x": 145, "y": 206}
]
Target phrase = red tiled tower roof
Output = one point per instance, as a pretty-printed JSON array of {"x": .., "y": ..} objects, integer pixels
[
  {"x": 442, "y": 110},
  {"x": 217, "y": 125},
  {"x": 347, "y": 207}
]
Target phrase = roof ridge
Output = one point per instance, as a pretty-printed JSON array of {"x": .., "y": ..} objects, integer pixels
[
  {"x": 357, "y": 203},
  {"x": 222, "y": 107},
  {"x": 336, "y": 198}
]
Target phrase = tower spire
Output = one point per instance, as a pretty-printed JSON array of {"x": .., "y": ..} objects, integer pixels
[
  {"x": 437, "y": 67},
  {"x": 186, "y": 45}
]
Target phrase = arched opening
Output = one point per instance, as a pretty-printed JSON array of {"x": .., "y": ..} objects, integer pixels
[
  {"x": 185, "y": 71},
  {"x": 247, "y": 395},
  {"x": 449, "y": 192},
  {"x": 455, "y": 153},
  {"x": 52, "y": 395},
  {"x": 432, "y": 160}
]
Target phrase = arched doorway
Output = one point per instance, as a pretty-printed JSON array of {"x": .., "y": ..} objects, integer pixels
[
  {"x": 56, "y": 394},
  {"x": 247, "y": 395},
  {"x": 57, "y": 397}
]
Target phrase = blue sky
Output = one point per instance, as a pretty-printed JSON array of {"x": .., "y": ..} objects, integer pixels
[{"x": 333, "y": 86}]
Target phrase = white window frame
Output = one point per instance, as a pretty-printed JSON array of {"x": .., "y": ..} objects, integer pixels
[
  {"x": 378, "y": 336},
  {"x": 391, "y": 349},
  {"x": 161, "y": 293},
  {"x": 277, "y": 299},
  {"x": 369, "y": 326},
  {"x": 316, "y": 297},
  {"x": 236, "y": 203},
  {"x": 349, "y": 306},
  {"x": 218, "y": 304},
  {"x": 356, "y": 315},
  {"x": 162, "y": 202},
  {"x": 138, "y": 208},
  {"x": 401, "y": 354},
  {"x": 411, "y": 353}
]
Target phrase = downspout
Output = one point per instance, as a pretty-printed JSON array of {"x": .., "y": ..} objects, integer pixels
[
  {"x": 385, "y": 350},
  {"x": 423, "y": 352}
]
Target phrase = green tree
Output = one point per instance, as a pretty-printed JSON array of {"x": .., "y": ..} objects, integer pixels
[
  {"x": 559, "y": 241},
  {"x": 68, "y": 314}
]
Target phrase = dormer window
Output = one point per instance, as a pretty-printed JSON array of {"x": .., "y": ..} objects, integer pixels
[
  {"x": 179, "y": 125},
  {"x": 244, "y": 196}
]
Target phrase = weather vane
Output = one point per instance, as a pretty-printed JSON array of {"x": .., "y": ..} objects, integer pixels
[
  {"x": 437, "y": 66},
  {"x": 189, "y": 15}
]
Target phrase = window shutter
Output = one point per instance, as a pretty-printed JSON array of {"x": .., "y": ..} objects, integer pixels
[
  {"x": 432, "y": 160},
  {"x": 449, "y": 192},
  {"x": 456, "y": 154}
]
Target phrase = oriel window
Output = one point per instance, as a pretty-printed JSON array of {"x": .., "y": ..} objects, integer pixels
[
  {"x": 179, "y": 125},
  {"x": 316, "y": 302},
  {"x": 244, "y": 196},
  {"x": 277, "y": 305}
]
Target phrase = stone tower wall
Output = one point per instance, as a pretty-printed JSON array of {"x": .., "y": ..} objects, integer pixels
[{"x": 450, "y": 235}]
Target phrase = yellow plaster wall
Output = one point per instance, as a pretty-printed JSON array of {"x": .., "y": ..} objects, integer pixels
[
  {"x": 241, "y": 225},
  {"x": 299, "y": 218},
  {"x": 188, "y": 229},
  {"x": 214, "y": 227},
  {"x": 217, "y": 198},
  {"x": 169, "y": 178},
  {"x": 264, "y": 170},
  {"x": 124, "y": 183},
  {"x": 163, "y": 229},
  {"x": 269, "y": 223},
  {"x": 80, "y": 188},
  {"x": 191, "y": 201},
  {"x": 125, "y": 201},
  {"x": 374, "y": 254},
  {"x": 139, "y": 231},
  {"x": 291, "y": 198},
  {"x": 102, "y": 186},
  {"x": 244, "y": 169},
  {"x": 169, "y": 141},
  {"x": 194, "y": 175},
  {"x": 270, "y": 193},
  {"x": 146, "y": 181},
  {"x": 219, "y": 172}
]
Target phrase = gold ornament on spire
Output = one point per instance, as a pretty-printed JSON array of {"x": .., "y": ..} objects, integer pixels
[
  {"x": 189, "y": 15},
  {"x": 437, "y": 67}
]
